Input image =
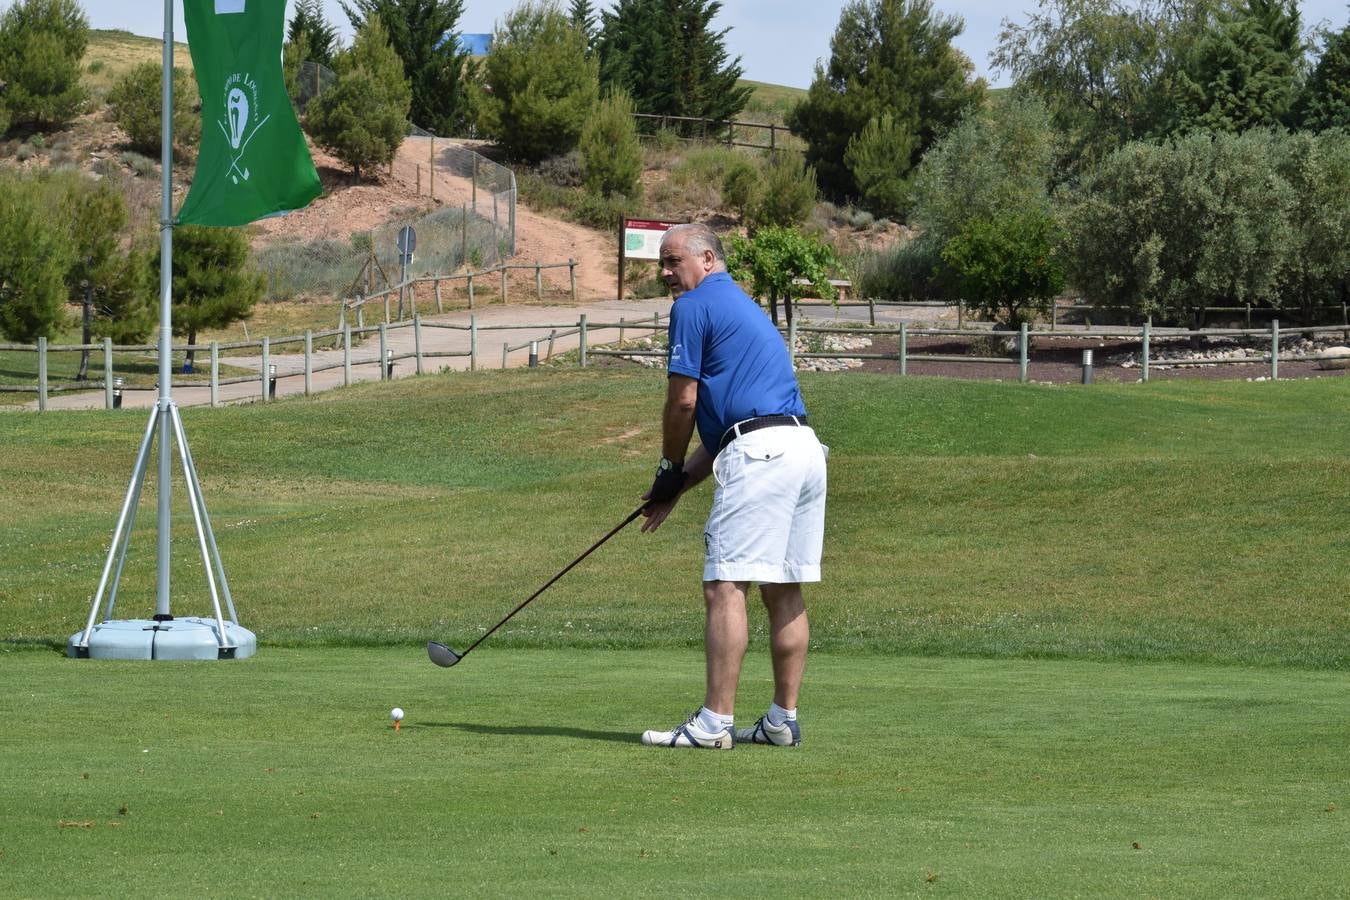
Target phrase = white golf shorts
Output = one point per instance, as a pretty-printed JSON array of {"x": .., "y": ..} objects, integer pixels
[{"x": 767, "y": 522}]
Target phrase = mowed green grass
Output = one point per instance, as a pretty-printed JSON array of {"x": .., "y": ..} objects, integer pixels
[
  {"x": 1172, "y": 521},
  {"x": 519, "y": 773},
  {"x": 1071, "y": 642}
]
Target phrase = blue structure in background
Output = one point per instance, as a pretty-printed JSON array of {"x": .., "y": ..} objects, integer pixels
[{"x": 476, "y": 44}]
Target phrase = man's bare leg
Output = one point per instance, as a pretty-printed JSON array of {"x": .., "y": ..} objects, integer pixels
[
  {"x": 789, "y": 636},
  {"x": 725, "y": 637}
]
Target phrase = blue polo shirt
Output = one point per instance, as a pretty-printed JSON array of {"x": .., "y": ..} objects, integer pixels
[{"x": 719, "y": 336}]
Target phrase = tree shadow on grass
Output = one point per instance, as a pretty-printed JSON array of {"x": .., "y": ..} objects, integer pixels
[{"x": 584, "y": 734}]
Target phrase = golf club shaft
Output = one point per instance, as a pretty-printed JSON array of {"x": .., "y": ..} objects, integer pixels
[{"x": 613, "y": 531}]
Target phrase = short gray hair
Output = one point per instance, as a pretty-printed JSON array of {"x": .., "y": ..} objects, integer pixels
[{"x": 699, "y": 238}]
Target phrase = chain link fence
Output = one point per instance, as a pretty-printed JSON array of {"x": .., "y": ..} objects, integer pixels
[{"x": 474, "y": 228}]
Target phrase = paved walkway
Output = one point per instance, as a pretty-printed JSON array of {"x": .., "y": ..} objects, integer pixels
[{"x": 497, "y": 325}]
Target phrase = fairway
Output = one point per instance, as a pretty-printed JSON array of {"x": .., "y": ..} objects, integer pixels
[
  {"x": 1070, "y": 642},
  {"x": 520, "y": 773}
]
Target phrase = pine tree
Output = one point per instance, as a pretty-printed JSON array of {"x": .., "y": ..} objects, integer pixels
[
  {"x": 665, "y": 54},
  {"x": 110, "y": 286},
  {"x": 540, "y": 85},
  {"x": 424, "y": 35},
  {"x": 1243, "y": 73},
  {"x": 42, "y": 46},
  {"x": 35, "y": 252},
  {"x": 1325, "y": 100},
  {"x": 611, "y": 153},
  {"x": 886, "y": 57},
  {"x": 320, "y": 35},
  {"x": 363, "y": 118},
  {"x": 584, "y": 19},
  {"x": 211, "y": 286},
  {"x": 879, "y": 157}
]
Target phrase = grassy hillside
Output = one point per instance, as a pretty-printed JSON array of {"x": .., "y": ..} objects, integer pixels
[
  {"x": 770, "y": 103},
  {"x": 113, "y": 52},
  {"x": 1184, "y": 520}
]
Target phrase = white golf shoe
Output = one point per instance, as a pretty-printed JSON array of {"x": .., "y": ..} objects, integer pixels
[
  {"x": 691, "y": 735},
  {"x": 789, "y": 734}
]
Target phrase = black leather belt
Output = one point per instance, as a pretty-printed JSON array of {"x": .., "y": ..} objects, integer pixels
[{"x": 756, "y": 424}]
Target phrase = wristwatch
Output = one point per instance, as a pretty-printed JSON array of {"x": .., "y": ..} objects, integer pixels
[{"x": 667, "y": 465}]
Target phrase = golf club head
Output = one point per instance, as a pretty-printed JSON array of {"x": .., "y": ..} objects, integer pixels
[{"x": 442, "y": 655}]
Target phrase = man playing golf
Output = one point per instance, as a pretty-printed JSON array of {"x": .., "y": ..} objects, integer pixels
[{"x": 729, "y": 374}]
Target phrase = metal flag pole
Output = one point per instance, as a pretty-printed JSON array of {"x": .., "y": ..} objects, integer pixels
[{"x": 163, "y": 636}]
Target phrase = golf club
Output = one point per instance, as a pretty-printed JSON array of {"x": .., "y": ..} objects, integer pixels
[{"x": 445, "y": 657}]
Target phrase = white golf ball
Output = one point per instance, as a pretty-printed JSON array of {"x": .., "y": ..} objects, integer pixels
[{"x": 396, "y": 713}]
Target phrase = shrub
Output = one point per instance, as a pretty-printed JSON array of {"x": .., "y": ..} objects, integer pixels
[
  {"x": 611, "y": 154},
  {"x": 564, "y": 170},
  {"x": 742, "y": 184},
  {"x": 142, "y": 166},
  {"x": 789, "y": 193},
  {"x": 1167, "y": 230},
  {"x": 135, "y": 101},
  {"x": 775, "y": 258},
  {"x": 601, "y": 212},
  {"x": 1007, "y": 267},
  {"x": 667, "y": 140},
  {"x": 906, "y": 272}
]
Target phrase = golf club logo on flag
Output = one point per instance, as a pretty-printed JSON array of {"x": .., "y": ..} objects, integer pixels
[
  {"x": 253, "y": 161},
  {"x": 238, "y": 126}
]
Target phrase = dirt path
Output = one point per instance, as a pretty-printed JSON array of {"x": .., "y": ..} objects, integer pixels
[{"x": 349, "y": 205}]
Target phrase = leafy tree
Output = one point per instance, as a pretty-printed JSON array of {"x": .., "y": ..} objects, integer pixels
[
  {"x": 993, "y": 161},
  {"x": 1106, "y": 69},
  {"x": 35, "y": 252},
  {"x": 610, "y": 151},
  {"x": 665, "y": 54},
  {"x": 887, "y": 57},
  {"x": 774, "y": 259},
  {"x": 1325, "y": 99},
  {"x": 788, "y": 196},
  {"x": 363, "y": 118},
  {"x": 1166, "y": 230},
  {"x": 212, "y": 287},
  {"x": 583, "y": 18},
  {"x": 1316, "y": 270},
  {"x": 1007, "y": 266},
  {"x": 319, "y": 36},
  {"x": 1242, "y": 73},
  {"x": 136, "y": 102},
  {"x": 110, "y": 286},
  {"x": 879, "y": 156},
  {"x": 42, "y": 45},
  {"x": 424, "y": 36},
  {"x": 540, "y": 85}
]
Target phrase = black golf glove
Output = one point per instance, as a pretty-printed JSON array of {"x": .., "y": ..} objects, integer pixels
[{"x": 669, "y": 479}]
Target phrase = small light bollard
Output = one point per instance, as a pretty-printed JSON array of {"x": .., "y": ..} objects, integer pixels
[
  {"x": 534, "y": 354},
  {"x": 389, "y": 364},
  {"x": 272, "y": 381},
  {"x": 117, "y": 393},
  {"x": 1087, "y": 367}
]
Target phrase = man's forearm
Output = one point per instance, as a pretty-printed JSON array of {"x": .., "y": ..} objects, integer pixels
[{"x": 677, "y": 418}]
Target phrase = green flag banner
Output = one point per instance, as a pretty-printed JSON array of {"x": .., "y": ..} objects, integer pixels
[{"x": 252, "y": 161}]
